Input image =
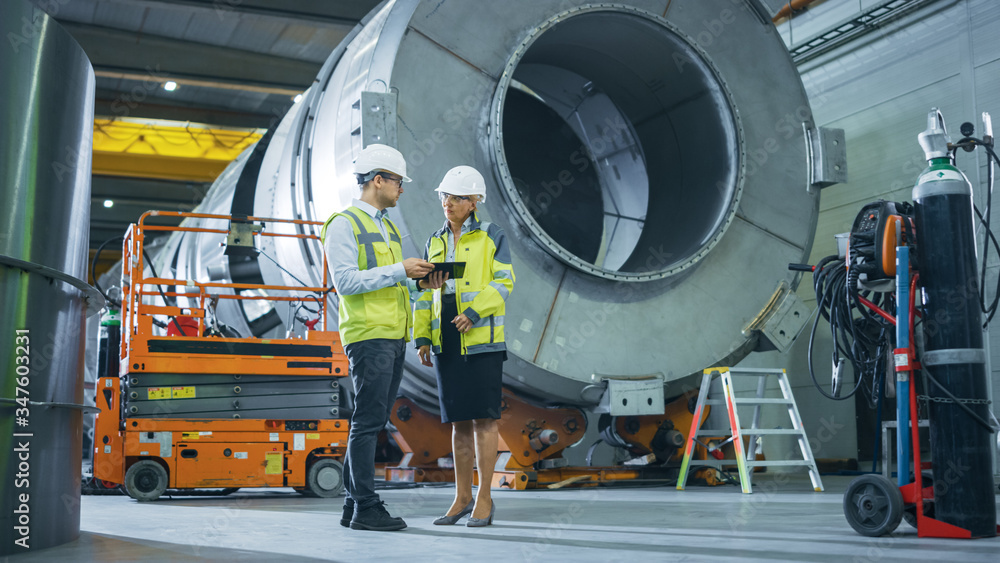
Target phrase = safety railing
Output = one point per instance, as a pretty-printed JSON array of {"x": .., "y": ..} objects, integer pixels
[{"x": 137, "y": 308}]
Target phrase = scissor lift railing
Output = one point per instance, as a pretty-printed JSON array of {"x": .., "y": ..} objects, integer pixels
[
  {"x": 144, "y": 351},
  {"x": 187, "y": 431}
]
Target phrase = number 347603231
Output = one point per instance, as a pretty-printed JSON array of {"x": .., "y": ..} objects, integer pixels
[{"x": 22, "y": 360}]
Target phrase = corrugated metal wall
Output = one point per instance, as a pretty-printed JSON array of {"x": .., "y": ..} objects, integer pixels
[{"x": 879, "y": 89}]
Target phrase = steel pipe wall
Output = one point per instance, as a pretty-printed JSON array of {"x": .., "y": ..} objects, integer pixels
[{"x": 46, "y": 127}]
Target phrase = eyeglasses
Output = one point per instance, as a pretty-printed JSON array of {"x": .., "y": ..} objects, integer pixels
[
  {"x": 453, "y": 198},
  {"x": 397, "y": 179}
]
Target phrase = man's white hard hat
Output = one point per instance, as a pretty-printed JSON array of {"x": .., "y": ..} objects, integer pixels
[
  {"x": 463, "y": 180},
  {"x": 381, "y": 157}
]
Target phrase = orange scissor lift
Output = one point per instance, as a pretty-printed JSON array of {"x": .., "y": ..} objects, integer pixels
[{"x": 145, "y": 441}]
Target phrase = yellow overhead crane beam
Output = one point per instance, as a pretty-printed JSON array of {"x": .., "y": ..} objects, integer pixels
[{"x": 168, "y": 150}]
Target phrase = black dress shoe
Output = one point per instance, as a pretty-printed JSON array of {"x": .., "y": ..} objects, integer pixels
[
  {"x": 377, "y": 518},
  {"x": 348, "y": 515}
]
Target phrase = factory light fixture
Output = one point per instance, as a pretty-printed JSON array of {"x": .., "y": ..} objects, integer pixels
[
  {"x": 170, "y": 86},
  {"x": 108, "y": 203}
]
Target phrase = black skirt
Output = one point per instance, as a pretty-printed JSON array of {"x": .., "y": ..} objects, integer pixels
[{"x": 468, "y": 386}]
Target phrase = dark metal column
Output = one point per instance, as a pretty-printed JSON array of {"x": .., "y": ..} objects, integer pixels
[{"x": 46, "y": 125}]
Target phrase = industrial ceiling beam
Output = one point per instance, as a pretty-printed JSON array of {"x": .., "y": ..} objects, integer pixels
[
  {"x": 148, "y": 190},
  {"x": 159, "y": 204},
  {"x": 872, "y": 18},
  {"x": 155, "y": 59},
  {"x": 336, "y": 13},
  {"x": 217, "y": 83},
  {"x": 109, "y": 103},
  {"x": 149, "y": 149},
  {"x": 154, "y": 166}
]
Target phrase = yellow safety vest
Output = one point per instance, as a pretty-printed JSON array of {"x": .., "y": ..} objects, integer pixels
[
  {"x": 383, "y": 313},
  {"x": 480, "y": 294}
]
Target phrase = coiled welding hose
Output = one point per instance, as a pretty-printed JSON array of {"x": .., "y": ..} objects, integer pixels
[{"x": 862, "y": 340}]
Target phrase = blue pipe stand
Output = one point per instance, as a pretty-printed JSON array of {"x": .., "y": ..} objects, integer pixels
[{"x": 902, "y": 357}]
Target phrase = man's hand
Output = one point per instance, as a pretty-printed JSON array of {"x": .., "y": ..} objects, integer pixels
[
  {"x": 417, "y": 268},
  {"x": 462, "y": 323},
  {"x": 434, "y": 281},
  {"x": 424, "y": 352}
]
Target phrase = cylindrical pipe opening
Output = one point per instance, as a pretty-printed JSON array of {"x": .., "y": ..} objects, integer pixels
[{"x": 617, "y": 145}]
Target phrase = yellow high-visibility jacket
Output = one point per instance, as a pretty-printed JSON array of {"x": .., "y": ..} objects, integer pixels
[
  {"x": 384, "y": 313},
  {"x": 480, "y": 294}
]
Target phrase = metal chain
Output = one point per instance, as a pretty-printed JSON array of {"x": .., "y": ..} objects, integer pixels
[{"x": 926, "y": 398}]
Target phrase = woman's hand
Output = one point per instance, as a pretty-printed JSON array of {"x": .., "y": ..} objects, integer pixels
[
  {"x": 462, "y": 323},
  {"x": 433, "y": 281},
  {"x": 424, "y": 352}
]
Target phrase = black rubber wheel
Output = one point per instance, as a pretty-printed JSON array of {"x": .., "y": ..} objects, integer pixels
[
  {"x": 146, "y": 480},
  {"x": 873, "y": 505},
  {"x": 228, "y": 491},
  {"x": 325, "y": 478},
  {"x": 910, "y": 510}
]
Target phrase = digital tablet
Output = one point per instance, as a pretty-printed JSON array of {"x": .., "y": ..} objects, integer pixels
[{"x": 453, "y": 269}]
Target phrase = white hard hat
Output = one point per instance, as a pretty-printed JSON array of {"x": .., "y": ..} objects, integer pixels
[
  {"x": 381, "y": 157},
  {"x": 463, "y": 180}
]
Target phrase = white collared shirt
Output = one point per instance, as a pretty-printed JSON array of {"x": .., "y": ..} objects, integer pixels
[
  {"x": 342, "y": 255},
  {"x": 449, "y": 286}
]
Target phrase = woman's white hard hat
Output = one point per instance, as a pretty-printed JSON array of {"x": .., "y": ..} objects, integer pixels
[{"x": 463, "y": 180}]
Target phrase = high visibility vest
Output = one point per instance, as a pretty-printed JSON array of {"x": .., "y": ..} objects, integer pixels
[
  {"x": 383, "y": 313},
  {"x": 480, "y": 294}
]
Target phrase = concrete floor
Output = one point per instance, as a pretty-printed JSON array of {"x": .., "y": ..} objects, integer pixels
[{"x": 783, "y": 520}]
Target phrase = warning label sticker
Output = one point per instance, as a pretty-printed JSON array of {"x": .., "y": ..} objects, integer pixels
[
  {"x": 183, "y": 392},
  {"x": 273, "y": 465},
  {"x": 158, "y": 393}
]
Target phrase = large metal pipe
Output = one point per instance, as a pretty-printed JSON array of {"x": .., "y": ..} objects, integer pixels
[
  {"x": 46, "y": 123},
  {"x": 650, "y": 161}
]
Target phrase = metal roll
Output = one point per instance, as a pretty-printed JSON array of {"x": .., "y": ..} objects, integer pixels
[
  {"x": 649, "y": 161},
  {"x": 46, "y": 124}
]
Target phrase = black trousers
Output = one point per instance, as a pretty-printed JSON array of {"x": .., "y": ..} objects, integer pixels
[{"x": 376, "y": 368}]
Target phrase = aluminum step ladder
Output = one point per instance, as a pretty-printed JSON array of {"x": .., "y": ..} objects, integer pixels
[{"x": 747, "y": 461}]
